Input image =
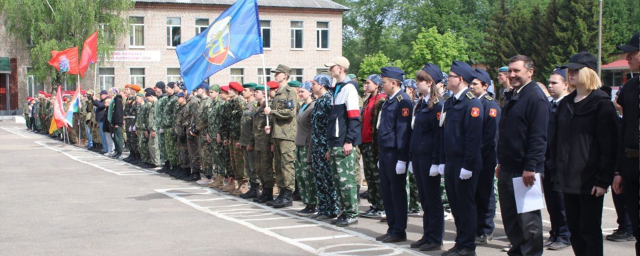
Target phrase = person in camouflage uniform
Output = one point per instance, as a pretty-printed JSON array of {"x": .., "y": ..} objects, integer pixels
[
  {"x": 200, "y": 129},
  {"x": 166, "y": 122},
  {"x": 225, "y": 119},
  {"x": 151, "y": 130},
  {"x": 141, "y": 124},
  {"x": 234, "y": 111},
  {"x": 246, "y": 135},
  {"x": 221, "y": 152},
  {"x": 369, "y": 146},
  {"x": 160, "y": 91},
  {"x": 192, "y": 138},
  {"x": 180, "y": 129},
  {"x": 261, "y": 143},
  {"x": 36, "y": 113},
  {"x": 304, "y": 177},
  {"x": 129, "y": 122},
  {"x": 212, "y": 134}
]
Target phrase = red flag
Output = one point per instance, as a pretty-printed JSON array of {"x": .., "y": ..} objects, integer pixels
[
  {"x": 89, "y": 52},
  {"x": 58, "y": 110},
  {"x": 65, "y": 61}
]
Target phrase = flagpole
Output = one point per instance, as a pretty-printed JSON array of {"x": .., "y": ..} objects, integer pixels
[
  {"x": 266, "y": 94},
  {"x": 78, "y": 116}
]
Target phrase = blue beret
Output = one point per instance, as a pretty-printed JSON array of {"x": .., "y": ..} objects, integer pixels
[
  {"x": 434, "y": 71},
  {"x": 306, "y": 85},
  {"x": 410, "y": 83},
  {"x": 483, "y": 76},
  {"x": 180, "y": 94},
  {"x": 392, "y": 72},
  {"x": 560, "y": 71},
  {"x": 503, "y": 69},
  {"x": 376, "y": 79},
  {"x": 203, "y": 85},
  {"x": 324, "y": 80},
  {"x": 464, "y": 70}
]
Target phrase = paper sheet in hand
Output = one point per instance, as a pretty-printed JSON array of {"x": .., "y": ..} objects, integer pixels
[{"x": 528, "y": 198}]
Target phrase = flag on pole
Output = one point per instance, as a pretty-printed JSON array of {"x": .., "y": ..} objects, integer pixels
[
  {"x": 65, "y": 61},
  {"x": 89, "y": 53},
  {"x": 74, "y": 106},
  {"x": 232, "y": 37}
]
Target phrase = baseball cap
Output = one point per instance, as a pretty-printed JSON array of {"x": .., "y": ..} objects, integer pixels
[
  {"x": 581, "y": 60},
  {"x": 632, "y": 46},
  {"x": 340, "y": 61}
]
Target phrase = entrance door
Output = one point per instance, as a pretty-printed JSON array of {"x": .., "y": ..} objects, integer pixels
[{"x": 4, "y": 90}]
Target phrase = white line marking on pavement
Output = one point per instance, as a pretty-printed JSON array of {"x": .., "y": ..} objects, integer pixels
[
  {"x": 203, "y": 200},
  {"x": 321, "y": 238},
  {"x": 323, "y": 250},
  {"x": 265, "y": 219},
  {"x": 16, "y": 133},
  {"x": 296, "y": 226}
]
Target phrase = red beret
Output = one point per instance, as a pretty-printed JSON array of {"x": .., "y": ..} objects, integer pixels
[
  {"x": 273, "y": 85},
  {"x": 224, "y": 88},
  {"x": 236, "y": 86}
]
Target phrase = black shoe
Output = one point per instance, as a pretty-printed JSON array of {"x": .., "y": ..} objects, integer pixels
[
  {"x": 382, "y": 237},
  {"x": 431, "y": 247},
  {"x": 283, "y": 201},
  {"x": 346, "y": 221},
  {"x": 451, "y": 252},
  {"x": 307, "y": 211},
  {"x": 252, "y": 193},
  {"x": 620, "y": 236},
  {"x": 558, "y": 246},
  {"x": 394, "y": 239},
  {"x": 194, "y": 177},
  {"x": 364, "y": 195},
  {"x": 465, "y": 252},
  {"x": 270, "y": 203},
  {"x": 419, "y": 243},
  {"x": 296, "y": 196},
  {"x": 547, "y": 243},
  {"x": 266, "y": 196}
]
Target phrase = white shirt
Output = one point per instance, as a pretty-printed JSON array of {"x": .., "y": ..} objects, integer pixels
[{"x": 459, "y": 94}]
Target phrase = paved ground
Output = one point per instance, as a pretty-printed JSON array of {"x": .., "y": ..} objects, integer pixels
[{"x": 62, "y": 200}]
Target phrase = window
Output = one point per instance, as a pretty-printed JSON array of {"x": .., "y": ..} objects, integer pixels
[
  {"x": 237, "y": 75},
  {"x": 106, "y": 32},
  {"x": 297, "y": 74},
  {"x": 201, "y": 25},
  {"x": 173, "y": 75},
  {"x": 137, "y": 76},
  {"x": 69, "y": 86},
  {"x": 265, "y": 25},
  {"x": 322, "y": 71},
  {"x": 173, "y": 32},
  {"x": 136, "y": 34},
  {"x": 33, "y": 86},
  {"x": 296, "y": 35},
  {"x": 322, "y": 32},
  {"x": 107, "y": 78},
  {"x": 262, "y": 78}
]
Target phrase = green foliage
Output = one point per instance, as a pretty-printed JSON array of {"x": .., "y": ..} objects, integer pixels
[
  {"x": 371, "y": 64},
  {"x": 440, "y": 49},
  {"x": 60, "y": 24}
]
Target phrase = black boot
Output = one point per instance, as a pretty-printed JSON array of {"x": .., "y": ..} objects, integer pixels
[
  {"x": 283, "y": 201},
  {"x": 358, "y": 193},
  {"x": 165, "y": 168},
  {"x": 266, "y": 196},
  {"x": 270, "y": 203},
  {"x": 194, "y": 176},
  {"x": 253, "y": 191}
]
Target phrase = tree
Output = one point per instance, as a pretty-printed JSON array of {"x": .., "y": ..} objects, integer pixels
[
  {"x": 59, "y": 24},
  {"x": 371, "y": 64},
  {"x": 505, "y": 36},
  {"x": 440, "y": 49}
]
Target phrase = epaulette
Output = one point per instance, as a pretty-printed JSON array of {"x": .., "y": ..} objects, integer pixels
[
  {"x": 486, "y": 96},
  {"x": 255, "y": 104},
  {"x": 436, "y": 100},
  {"x": 470, "y": 95},
  {"x": 399, "y": 98}
]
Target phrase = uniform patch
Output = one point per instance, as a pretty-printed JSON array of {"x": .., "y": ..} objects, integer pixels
[
  {"x": 470, "y": 95},
  {"x": 290, "y": 104},
  {"x": 486, "y": 96},
  {"x": 438, "y": 116},
  {"x": 475, "y": 112},
  {"x": 405, "y": 112},
  {"x": 399, "y": 98},
  {"x": 493, "y": 112}
]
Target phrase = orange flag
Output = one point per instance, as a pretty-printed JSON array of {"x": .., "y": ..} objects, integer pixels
[
  {"x": 89, "y": 52},
  {"x": 65, "y": 61}
]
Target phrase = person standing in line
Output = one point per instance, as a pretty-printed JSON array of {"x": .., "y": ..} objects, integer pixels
[{"x": 304, "y": 176}]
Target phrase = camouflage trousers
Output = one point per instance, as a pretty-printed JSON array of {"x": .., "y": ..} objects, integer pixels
[
  {"x": 343, "y": 170},
  {"x": 237, "y": 161},
  {"x": 183, "y": 151},
  {"x": 170, "y": 147},
  {"x": 359, "y": 168},
  {"x": 412, "y": 193},
  {"x": 217, "y": 158},
  {"x": 204, "y": 149},
  {"x": 95, "y": 133},
  {"x": 283, "y": 150},
  {"x": 132, "y": 142},
  {"x": 225, "y": 161},
  {"x": 154, "y": 152},
  {"x": 304, "y": 177},
  {"x": 142, "y": 147},
  {"x": 249, "y": 164},
  {"x": 194, "y": 156},
  {"x": 370, "y": 154},
  {"x": 326, "y": 192},
  {"x": 264, "y": 166},
  {"x": 161, "y": 145}
]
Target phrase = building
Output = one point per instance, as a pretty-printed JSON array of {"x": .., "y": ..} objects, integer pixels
[{"x": 302, "y": 34}]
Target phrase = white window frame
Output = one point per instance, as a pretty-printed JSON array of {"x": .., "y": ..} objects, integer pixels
[
  {"x": 31, "y": 83},
  {"x": 133, "y": 32},
  {"x": 235, "y": 78},
  {"x": 144, "y": 79},
  {"x": 262, "y": 29},
  {"x": 101, "y": 78},
  {"x": 323, "y": 69},
  {"x": 293, "y": 77},
  {"x": 173, "y": 78},
  {"x": 268, "y": 76},
  {"x": 200, "y": 28},
  {"x": 170, "y": 34},
  {"x": 293, "y": 38},
  {"x": 319, "y": 34}
]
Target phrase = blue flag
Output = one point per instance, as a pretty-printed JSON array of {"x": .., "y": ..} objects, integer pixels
[{"x": 232, "y": 37}]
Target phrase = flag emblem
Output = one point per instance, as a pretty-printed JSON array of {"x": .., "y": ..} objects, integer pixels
[
  {"x": 475, "y": 112},
  {"x": 218, "y": 40},
  {"x": 405, "y": 112}
]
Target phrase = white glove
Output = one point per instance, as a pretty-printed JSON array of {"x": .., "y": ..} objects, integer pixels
[
  {"x": 134, "y": 128},
  {"x": 433, "y": 171},
  {"x": 161, "y": 131},
  {"x": 378, "y": 164},
  {"x": 465, "y": 174},
  {"x": 441, "y": 169},
  {"x": 411, "y": 167},
  {"x": 401, "y": 167},
  {"x": 130, "y": 127}
]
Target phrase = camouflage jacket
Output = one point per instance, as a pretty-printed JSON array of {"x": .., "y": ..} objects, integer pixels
[
  {"x": 202, "y": 123},
  {"x": 260, "y": 139},
  {"x": 169, "y": 112},
  {"x": 234, "y": 112},
  {"x": 151, "y": 119},
  {"x": 178, "y": 120},
  {"x": 283, "y": 114},
  {"x": 246, "y": 122}
]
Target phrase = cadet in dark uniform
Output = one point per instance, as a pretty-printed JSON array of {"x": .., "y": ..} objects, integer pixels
[
  {"x": 393, "y": 140},
  {"x": 425, "y": 156},
  {"x": 462, "y": 121},
  {"x": 485, "y": 194}
]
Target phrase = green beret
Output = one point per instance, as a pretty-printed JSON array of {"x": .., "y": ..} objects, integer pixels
[
  {"x": 250, "y": 85},
  {"x": 351, "y": 76},
  {"x": 140, "y": 94},
  {"x": 260, "y": 88},
  {"x": 294, "y": 83},
  {"x": 215, "y": 88}
]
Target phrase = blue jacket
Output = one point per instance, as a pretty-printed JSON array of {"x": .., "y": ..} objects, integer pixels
[
  {"x": 394, "y": 132},
  {"x": 462, "y": 135},
  {"x": 425, "y": 137},
  {"x": 523, "y": 131},
  {"x": 490, "y": 121}
]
